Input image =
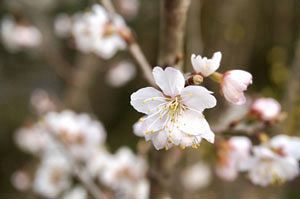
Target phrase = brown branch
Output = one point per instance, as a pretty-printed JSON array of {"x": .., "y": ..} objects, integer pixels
[
  {"x": 172, "y": 30},
  {"x": 173, "y": 19},
  {"x": 133, "y": 46}
]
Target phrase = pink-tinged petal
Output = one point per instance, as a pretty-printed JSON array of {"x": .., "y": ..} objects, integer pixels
[
  {"x": 234, "y": 83},
  {"x": 289, "y": 146},
  {"x": 171, "y": 81},
  {"x": 198, "y": 98},
  {"x": 266, "y": 108},
  {"x": 147, "y": 100},
  {"x": 193, "y": 123},
  {"x": 160, "y": 140}
]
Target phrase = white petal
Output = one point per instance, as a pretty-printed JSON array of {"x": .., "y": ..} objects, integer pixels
[
  {"x": 160, "y": 140},
  {"x": 198, "y": 98},
  {"x": 171, "y": 81},
  {"x": 204, "y": 65},
  {"x": 152, "y": 123},
  {"x": 137, "y": 128},
  {"x": 146, "y": 100},
  {"x": 289, "y": 145},
  {"x": 193, "y": 123}
]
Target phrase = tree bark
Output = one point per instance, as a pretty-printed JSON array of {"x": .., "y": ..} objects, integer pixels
[
  {"x": 164, "y": 165},
  {"x": 172, "y": 30}
]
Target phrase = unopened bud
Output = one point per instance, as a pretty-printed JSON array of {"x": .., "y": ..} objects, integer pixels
[
  {"x": 197, "y": 79},
  {"x": 263, "y": 137}
]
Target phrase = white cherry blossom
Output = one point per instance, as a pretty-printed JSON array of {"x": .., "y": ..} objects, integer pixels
[
  {"x": 125, "y": 174},
  {"x": 77, "y": 192},
  {"x": 17, "y": 37},
  {"x": 121, "y": 73},
  {"x": 266, "y": 109},
  {"x": 174, "y": 115},
  {"x": 286, "y": 145},
  {"x": 234, "y": 156},
  {"x": 196, "y": 176},
  {"x": 53, "y": 176},
  {"x": 33, "y": 139},
  {"x": 96, "y": 32},
  {"x": 63, "y": 25},
  {"x": 206, "y": 66},
  {"x": 80, "y": 132},
  {"x": 21, "y": 180},
  {"x": 233, "y": 85},
  {"x": 271, "y": 167}
]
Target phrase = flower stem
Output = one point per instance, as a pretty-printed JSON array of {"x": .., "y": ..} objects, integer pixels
[{"x": 217, "y": 77}]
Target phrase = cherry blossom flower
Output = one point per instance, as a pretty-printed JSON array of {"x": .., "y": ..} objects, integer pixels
[
  {"x": 128, "y": 8},
  {"x": 266, "y": 109},
  {"x": 42, "y": 102},
  {"x": 33, "y": 139},
  {"x": 175, "y": 114},
  {"x": 271, "y": 167},
  {"x": 233, "y": 85},
  {"x": 196, "y": 176},
  {"x": 63, "y": 25},
  {"x": 206, "y": 66},
  {"x": 16, "y": 36},
  {"x": 53, "y": 176},
  {"x": 234, "y": 156},
  {"x": 286, "y": 145},
  {"x": 97, "y": 33},
  {"x": 77, "y": 192},
  {"x": 121, "y": 73},
  {"x": 21, "y": 180},
  {"x": 81, "y": 133},
  {"x": 125, "y": 175}
]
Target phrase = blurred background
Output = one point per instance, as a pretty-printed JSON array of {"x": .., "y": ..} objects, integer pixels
[{"x": 260, "y": 36}]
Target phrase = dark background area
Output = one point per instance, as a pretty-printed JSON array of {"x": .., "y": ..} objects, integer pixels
[{"x": 260, "y": 36}]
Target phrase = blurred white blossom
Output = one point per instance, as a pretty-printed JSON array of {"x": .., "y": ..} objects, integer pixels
[
  {"x": 42, "y": 102},
  {"x": 21, "y": 180},
  {"x": 128, "y": 8},
  {"x": 196, "y": 176},
  {"x": 233, "y": 157},
  {"x": 63, "y": 25},
  {"x": 16, "y": 36},
  {"x": 266, "y": 109},
  {"x": 53, "y": 176},
  {"x": 121, "y": 73},
  {"x": 175, "y": 114},
  {"x": 271, "y": 167},
  {"x": 206, "y": 66},
  {"x": 33, "y": 138},
  {"x": 233, "y": 85},
  {"x": 98, "y": 32},
  {"x": 125, "y": 174},
  {"x": 77, "y": 192},
  {"x": 80, "y": 132}
]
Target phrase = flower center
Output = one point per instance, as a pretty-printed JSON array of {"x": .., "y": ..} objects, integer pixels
[{"x": 175, "y": 107}]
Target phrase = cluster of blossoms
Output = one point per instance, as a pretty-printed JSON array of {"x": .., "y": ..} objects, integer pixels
[
  {"x": 18, "y": 36},
  {"x": 99, "y": 32},
  {"x": 174, "y": 115},
  {"x": 60, "y": 140},
  {"x": 273, "y": 161}
]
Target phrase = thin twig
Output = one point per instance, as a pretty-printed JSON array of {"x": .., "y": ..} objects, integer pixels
[{"x": 133, "y": 47}]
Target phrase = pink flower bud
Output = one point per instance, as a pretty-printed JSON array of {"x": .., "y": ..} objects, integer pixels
[
  {"x": 266, "y": 108},
  {"x": 233, "y": 85}
]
